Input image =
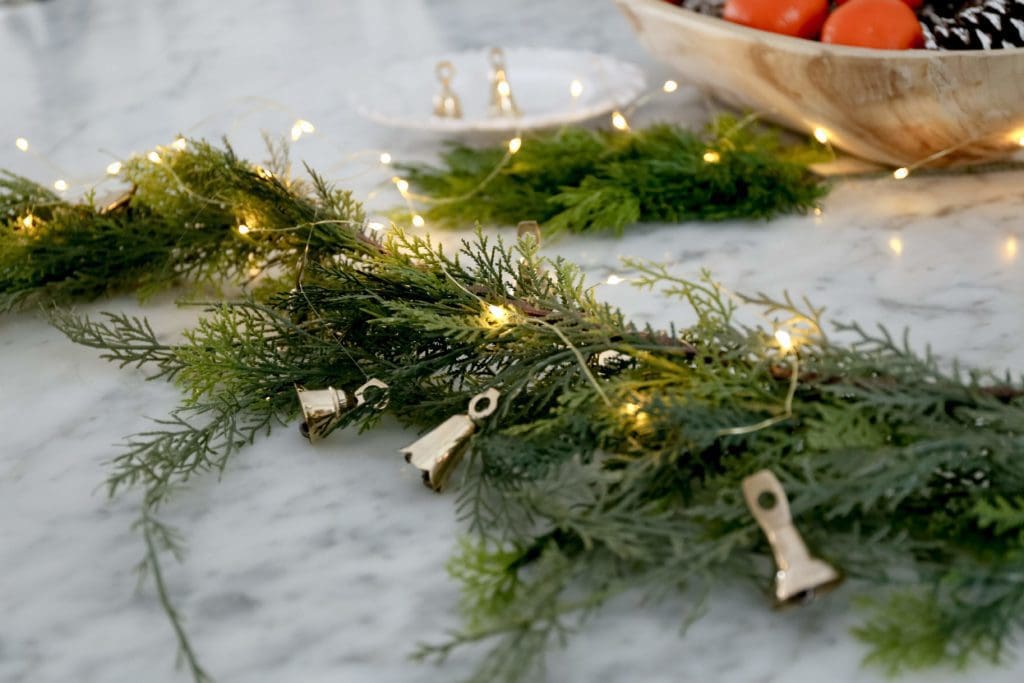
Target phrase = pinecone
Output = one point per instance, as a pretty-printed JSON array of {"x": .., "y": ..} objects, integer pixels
[
  {"x": 710, "y": 7},
  {"x": 975, "y": 25}
]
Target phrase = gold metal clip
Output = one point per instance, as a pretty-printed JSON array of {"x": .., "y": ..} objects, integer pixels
[
  {"x": 437, "y": 453},
  {"x": 502, "y": 101},
  {"x": 799, "y": 576},
  {"x": 446, "y": 103},
  {"x": 322, "y": 409}
]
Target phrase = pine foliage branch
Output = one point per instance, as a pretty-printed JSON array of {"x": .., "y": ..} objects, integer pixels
[
  {"x": 576, "y": 180},
  {"x": 178, "y": 223},
  {"x": 615, "y": 458}
]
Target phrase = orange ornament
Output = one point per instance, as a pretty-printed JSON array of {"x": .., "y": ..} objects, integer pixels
[
  {"x": 881, "y": 24},
  {"x": 912, "y": 4},
  {"x": 799, "y": 18}
]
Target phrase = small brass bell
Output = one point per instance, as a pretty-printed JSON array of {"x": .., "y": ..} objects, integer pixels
[
  {"x": 446, "y": 103},
  {"x": 799, "y": 576},
  {"x": 437, "y": 453},
  {"x": 322, "y": 409},
  {"x": 502, "y": 101}
]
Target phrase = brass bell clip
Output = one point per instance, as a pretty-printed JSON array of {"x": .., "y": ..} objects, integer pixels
[
  {"x": 799, "y": 576},
  {"x": 322, "y": 409},
  {"x": 437, "y": 453},
  {"x": 446, "y": 102},
  {"x": 502, "y": 101}
]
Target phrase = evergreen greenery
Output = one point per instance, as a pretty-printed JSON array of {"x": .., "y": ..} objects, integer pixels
[
  {"x": 602, "y": 472},
  {"x": 577, "y": 180},
  {"x": 178, "y": 224}
]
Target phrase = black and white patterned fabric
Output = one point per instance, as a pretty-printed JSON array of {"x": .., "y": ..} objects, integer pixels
[{"x": 973, "y": 25}]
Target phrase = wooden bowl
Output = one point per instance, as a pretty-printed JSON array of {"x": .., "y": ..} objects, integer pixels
[{"x": 896, "y": 107}]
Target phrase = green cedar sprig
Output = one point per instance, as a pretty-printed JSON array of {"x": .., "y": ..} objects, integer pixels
[
  {"x": 177, "y": 224},
  {"x": 601, "y": 473},
  {"x": 576, "y": 180}
]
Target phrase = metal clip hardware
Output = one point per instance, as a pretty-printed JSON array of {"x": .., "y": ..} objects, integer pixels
[
  {"x": 799, "y": 576},
  {"x": 322, "y": 409},
  {"x": 437, "y": 453}
]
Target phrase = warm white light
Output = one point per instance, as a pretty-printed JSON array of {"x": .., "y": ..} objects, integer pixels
[
  {"x": 896, "y": 245},
  {"x": 22, "y": 144},
  {"x": 401, "y": 184},
  {"x": 1020, "y": 140},
  {"x": 417, "y": 220},
  {"x": 60, "y": 185},
  {"x": 114, "y": 168},
  {"x": 785, "y": 340},
  {"x": 385, "y": 158},
  {"x": 619, "y": 121},
  {"x": 575, "y": 89},
  {"x": 613, "y": 279},
  {"x": 817, "y": 211},
  {"x": 28, "y": 221},
  {"x": 712, "y": 157},
  {"x": 243, "y": 229},
  {"x": 375, "y": 225},
  {"x": 514, "y": 144},
  {"x": 1010, "y": 248},
  {"x": 901, "y": 173},
  {"x": 180, "y": 144},
  {"x": 300, "y": 127},
  {"x": 504, "y": 89},
  {"x": 630, "y": 409},
  {"x": 821, "y": 135},
  {"x": 498, "y": 313},
  {"x": 154, "y": 157},
  {"x": 670, "y": 86}
]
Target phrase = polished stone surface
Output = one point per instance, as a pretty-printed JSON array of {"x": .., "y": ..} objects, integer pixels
[{"x": 327, "y": 563}]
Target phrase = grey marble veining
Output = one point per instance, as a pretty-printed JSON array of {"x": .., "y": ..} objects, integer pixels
[{"x": 326, "y": 563}]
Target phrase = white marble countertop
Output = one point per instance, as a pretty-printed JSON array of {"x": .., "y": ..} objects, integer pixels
[{"x": 327, "y": 563}]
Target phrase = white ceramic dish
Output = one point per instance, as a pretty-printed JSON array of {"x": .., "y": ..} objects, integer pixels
[{"x": 402, "y": 94}]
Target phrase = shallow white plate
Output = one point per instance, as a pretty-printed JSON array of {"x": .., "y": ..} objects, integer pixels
[{"x": 401, "y": 95}]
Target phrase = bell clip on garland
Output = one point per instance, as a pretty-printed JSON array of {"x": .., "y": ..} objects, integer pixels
[{"x": 615, "y": 456}]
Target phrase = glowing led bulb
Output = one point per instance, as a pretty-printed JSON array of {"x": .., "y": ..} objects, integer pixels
[
  {"x": 385, "y": 158},
  {"x": 114, "y": 168},
  {"x": 670, "y": 86},
  {"x": 376, "y": 226},
  {"x": 180, "y": 144},
  {"x": 1010, "y": 248},
  {"x": 575, "y": 89},
  {"x": 417, "y": 220},
  {"x": 613, "y": 279},
  {"x": 498, "y": 313},
  {"x": 619, "y": 121},
  {"x": 514, "y": 144},
  {"x": 901, "y": 173},
  {"x": 817, "y": 211},
  {"x": 60, "y": 185},
  {"x": 821, "y": 135},
  {"x": 22, "y": 144},
  {"x": 401, "y": 184},
  {"x": 896, "y": 245},
  {"x": 154, "y": 157},
  {"x": 28, "y": 221},
  {"x": 504, "y": 89},
  {"x": 1020, "y": 140},
  {"x": 712, "y": 157},
  {"x": 785, "y": 340},
  {"x": 301, "y": 127},
  {"x": 243, "y": 229}
]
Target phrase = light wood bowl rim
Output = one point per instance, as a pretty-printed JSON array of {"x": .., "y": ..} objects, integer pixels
[{"x": 814, "y": 47}]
